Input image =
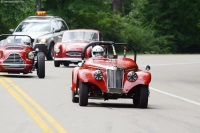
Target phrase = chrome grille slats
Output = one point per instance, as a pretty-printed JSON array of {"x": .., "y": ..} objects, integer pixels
[
  {"x": 115, "y": 77},
  {"x": 73, "y": 53},
  {"x": 14, "y": 61}
]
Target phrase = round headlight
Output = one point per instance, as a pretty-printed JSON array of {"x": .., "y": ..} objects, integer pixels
[
  {"x": 148, "y": 68},
  {"x": 43, "y": 40},
  {"x": 98, "y": 75},
  {"x": 31, "y": 55},
  {"x": 132, "y": 76},
  {"x": 56, "y": 49}
]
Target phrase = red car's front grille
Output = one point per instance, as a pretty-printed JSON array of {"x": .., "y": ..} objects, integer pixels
[
  {"x": 14, "y": 61},
  {"x": 115, "y": 77},
  {"x": 75, "y": 53}
]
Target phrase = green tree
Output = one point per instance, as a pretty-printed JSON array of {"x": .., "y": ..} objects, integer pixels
[
  {"x": 177, "y": 21},
  {"x": 98, "y": 14},
  {"x": 13, "y": 12}
]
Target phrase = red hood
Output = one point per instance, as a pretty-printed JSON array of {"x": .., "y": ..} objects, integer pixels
[
  {"x": 15, "y": 47},
  {"x": 21, "y": 49},
  {"x": 103, "y": 63}
]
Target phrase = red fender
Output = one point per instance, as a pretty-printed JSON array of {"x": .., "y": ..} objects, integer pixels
[
  {"x": 74, "y": 78},
  {"x": 86, "y": 75},
  {"x": 144, "y": 78}
]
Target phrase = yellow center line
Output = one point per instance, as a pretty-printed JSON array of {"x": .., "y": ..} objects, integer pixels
[
  {"x": 27, "y": 107},
  {"x": 54, "y": 123}
]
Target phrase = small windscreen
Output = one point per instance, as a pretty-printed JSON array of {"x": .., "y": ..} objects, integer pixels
[{"x": 81, "y": 35}]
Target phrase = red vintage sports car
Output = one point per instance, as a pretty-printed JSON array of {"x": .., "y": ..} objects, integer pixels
[
  {"x": 110, "y": 75},
  {"x": 17, "y": 55},
  {"x": 69, "y": 50}
]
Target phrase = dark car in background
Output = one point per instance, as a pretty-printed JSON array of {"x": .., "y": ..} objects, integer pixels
[{"x": 43, "y": 29}]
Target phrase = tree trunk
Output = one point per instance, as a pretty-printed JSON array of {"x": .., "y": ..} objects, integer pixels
[{"x": 117, "y": 6}]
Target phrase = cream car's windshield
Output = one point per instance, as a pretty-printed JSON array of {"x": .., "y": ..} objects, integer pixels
[
  {"x": 80, "y": 35},
  {"x": 33, "y": 27}
]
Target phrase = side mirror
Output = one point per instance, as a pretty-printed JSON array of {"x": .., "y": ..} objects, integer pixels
[
  {"x": 59, "y": 38},
  {"x": 58, "y": 30},
  {"x": 80, "y": 64},
  {"x": 55, "y": 31},
  {"x": 11, "y": 30},
  {"x": 148, "y": 68}
]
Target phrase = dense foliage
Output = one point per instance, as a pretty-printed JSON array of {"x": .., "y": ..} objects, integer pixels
[
  {"x": 12, "y": 12},
  {"x": 152, "y": 26}
]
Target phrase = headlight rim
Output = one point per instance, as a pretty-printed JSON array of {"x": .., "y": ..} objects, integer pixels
[
  {"x": 98, "y": 74},
  {"x": 31, "y": 55},
  {"x": 132, "y": 76}
]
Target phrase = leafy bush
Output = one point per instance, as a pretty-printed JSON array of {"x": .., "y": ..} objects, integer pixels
[{"x": 11, "y": 14}]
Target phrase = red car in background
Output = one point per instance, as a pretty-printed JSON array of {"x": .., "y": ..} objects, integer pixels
[
  {"x": 68, "y": 51},
  {"x": 110, "y": 73},
  {"x": 18, "y": 56}
]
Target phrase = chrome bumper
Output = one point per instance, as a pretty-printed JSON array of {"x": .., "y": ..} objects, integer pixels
[{"x": 68, "y": 59}]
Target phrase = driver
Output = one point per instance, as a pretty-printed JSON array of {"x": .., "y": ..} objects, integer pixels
[
  {"x": 26, "y": 40},
  {"x": 97, "y": 51}
]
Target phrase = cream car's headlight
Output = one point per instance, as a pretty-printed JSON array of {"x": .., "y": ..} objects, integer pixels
[
  {"x": 31, "y": 55},
  {"x": 43, "y": 40},
  {"x": 56, "y": 49},
  {"x": 98, "y": 74},
  {"x": 132, "y": 76}
]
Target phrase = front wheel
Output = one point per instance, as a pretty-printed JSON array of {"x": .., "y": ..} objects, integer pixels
[
  {"x": 50, "y": 54},
  {"x": 66, "y": 64},
  {"x": 56, "y": 63},
  {"x": 41, "y": 65},
  {"x": 83, "y": 94},
  {"x": 74, "y": 98},
  {"x": 142, "y": 97}
]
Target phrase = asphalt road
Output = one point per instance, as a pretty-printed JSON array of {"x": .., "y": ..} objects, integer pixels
[{"x": 32, "y": 105}]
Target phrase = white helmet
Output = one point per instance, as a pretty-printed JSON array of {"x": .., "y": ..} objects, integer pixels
[
  {"x": 26, "y": 40},
  {"x": 97, "y": 51}
]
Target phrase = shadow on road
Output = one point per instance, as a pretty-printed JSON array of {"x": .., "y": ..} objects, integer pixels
[
  {"x": 111, "y": 105},
  {"x": 18, "y": 76},
  {"x": 114, "y": 105}
]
